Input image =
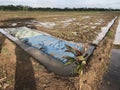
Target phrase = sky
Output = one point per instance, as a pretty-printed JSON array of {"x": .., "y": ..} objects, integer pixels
[{"x": 115, "y": 4}]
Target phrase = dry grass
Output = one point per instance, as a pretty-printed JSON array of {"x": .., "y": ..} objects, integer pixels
[
  {"x": 98, "y": 63},
  {"x": 76, "y": 30},
  {"x": 19, "y": 70}
]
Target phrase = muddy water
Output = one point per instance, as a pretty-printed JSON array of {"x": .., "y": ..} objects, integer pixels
[{"x": 111, "y": 80}]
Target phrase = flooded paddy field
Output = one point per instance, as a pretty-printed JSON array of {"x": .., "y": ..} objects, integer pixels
[
  {"x": 79, "y": 27},
  {"x": 111, "y": 79}
]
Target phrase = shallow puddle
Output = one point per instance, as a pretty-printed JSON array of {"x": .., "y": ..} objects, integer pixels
[{"x": 111, "y": 80}]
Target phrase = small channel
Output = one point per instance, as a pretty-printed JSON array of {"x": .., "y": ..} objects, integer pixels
[{"x": 111, "y": 80}]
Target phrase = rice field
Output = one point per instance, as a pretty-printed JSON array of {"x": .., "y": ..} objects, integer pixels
[
  {"x": 72, "y": 26},
  {"x": 18, "y": 70}
]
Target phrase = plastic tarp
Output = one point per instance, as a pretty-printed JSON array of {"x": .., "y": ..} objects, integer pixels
[
  {"x": 50, "y": 63},
  {"x": 117, "y": 35},
  {"x": 41, "y": 43},
  {"x": 48, "y": 44},
  {"x": 104, "y": 31},
  {"x": 22, "y": 32}
]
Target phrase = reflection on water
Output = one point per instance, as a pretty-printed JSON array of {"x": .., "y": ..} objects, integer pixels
[{"x": 111, "y": 80}]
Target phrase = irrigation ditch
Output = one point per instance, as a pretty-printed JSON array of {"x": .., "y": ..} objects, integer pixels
[
  {"x": 111, "y": 78},
  {"x": 98, "y": 63}
]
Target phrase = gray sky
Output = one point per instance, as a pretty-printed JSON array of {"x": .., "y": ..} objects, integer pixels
[{"x": 65, "y": 3}]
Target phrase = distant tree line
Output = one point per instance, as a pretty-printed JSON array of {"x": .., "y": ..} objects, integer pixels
[{"x": 28, "y": 8}]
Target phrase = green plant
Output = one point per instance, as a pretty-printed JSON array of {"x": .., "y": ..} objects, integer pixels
[
  {"x": 78, "y": 59},
  {"x": 110, "y": 34},
  {"x": 5, "y": 49}
]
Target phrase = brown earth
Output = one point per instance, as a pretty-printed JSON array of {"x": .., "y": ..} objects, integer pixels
[
  {"x": 20, "y": 71},
  {"x": 99, "y": 62},
  {"x": 76, "y": 31}
]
